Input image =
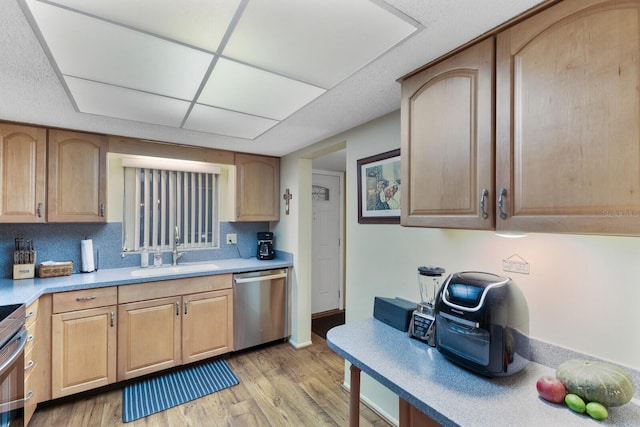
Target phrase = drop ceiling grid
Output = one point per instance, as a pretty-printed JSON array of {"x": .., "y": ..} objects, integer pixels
[{"x": 132, "y": 61}]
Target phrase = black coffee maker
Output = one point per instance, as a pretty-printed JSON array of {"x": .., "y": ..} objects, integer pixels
[{"x": 265, "y": 245}]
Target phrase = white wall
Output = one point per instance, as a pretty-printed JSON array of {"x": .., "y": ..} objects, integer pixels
[{"x": 582, "y": 291}]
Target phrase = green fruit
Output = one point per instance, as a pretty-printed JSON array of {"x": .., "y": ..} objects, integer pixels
[
  {"x": 597, "y": 411},
  {"x": 575, "y": 403},
  {"x": 596, "y": 381}
]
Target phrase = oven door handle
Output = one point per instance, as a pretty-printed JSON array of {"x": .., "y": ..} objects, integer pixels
[{"x": 19, "y": 342}]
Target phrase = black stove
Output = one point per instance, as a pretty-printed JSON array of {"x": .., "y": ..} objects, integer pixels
[{"x": 12, "y": 319}]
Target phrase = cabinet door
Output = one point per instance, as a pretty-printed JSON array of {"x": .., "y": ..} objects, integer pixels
[
  {"x": 447, "y": 139},
  {"x": 83, "y": 350},
  {"x": 77, "y": 177},
  {"x": 257, "y": 188},
  {"x": 148, "y": 336},
  {"x": 23, "y": 155},
  {"x": 207, "y": 325},
  {"x": 567, "y": 108}
]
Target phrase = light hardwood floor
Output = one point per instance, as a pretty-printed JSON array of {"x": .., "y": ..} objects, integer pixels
[{"x": 279, "y": 386}]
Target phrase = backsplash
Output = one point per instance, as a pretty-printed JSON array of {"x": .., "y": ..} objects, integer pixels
[{"x": 61, "y": 242}]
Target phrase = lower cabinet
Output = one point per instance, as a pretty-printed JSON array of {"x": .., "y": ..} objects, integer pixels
[
  {"x": 148, "y": 337},
  {"x": 156, "y": 334},
  {"x": 83, "y": 344},
  {"x": 103, "y": 335},
  {"x": 32, "y": 366},
  {"x": 207, "y": 325}
]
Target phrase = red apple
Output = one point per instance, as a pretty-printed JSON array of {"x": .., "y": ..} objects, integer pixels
[{"x": 551, "y": 389}]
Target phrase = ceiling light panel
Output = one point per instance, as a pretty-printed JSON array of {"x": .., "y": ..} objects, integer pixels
[
  {"x": 97, "y": 50},
  {"x": 238, "y": 87},
  {"x": 223, "y": 122},
  {"x": 113, "y": 101},
  {"x": 200, "y": 23},
  {"x": 318, "y": 41}
]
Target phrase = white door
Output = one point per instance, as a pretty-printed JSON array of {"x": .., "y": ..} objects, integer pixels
[{"x": 326, "y": 266}]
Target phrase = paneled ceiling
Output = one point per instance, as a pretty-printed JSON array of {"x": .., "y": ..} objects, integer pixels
[{"x": 263, "y": 76}]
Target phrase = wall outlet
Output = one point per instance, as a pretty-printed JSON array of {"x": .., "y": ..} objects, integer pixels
[{"x": 232, "y": 239}]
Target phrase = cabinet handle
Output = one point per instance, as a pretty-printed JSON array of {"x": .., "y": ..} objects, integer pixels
[
  {"x": 30, "y": 314},
  {"x": 112, "y": 318},
  {"x": 29, "y": 395},
  {"x": 102, "y": 210},
  {"x": 30, "y": 338},
  {"x": 177, "y": 308},
  {"x": 185, "y": 307},
  {"x": 483, "y": 199},
  {"x": 29, "y": 365},
  {"x": 40, "y": 210},
  {"x": 86, "y": 298},
  {"x": 503, "y": 192}
]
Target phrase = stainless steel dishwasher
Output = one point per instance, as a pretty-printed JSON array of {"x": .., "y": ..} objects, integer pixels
[{"x": 261, "y": 308}]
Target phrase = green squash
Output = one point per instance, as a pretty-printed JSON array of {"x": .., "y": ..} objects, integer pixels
[{"x": 596, "y": 381}]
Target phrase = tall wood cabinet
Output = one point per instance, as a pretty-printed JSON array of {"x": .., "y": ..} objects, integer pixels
[
  {"x": 77, "y": 180},
  {"x": 448, "y": 142},
  {"x": 568, "y": 134},
  {"x": 83, "y": 345},
  {"x": 257, "y": 188},
  {"x": 163, "y": 325},
  {"x": 23, "y": 169}
]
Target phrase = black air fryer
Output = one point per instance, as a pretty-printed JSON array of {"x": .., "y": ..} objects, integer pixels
[
  {"x": 482, "y": 323},
  {"x": 265, "y": 245}
]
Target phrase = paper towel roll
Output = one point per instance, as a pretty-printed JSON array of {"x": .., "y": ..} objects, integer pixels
[{"x": 86, "y": 250}]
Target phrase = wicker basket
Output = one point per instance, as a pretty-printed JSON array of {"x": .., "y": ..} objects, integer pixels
[{"x": 55, "y": 270}]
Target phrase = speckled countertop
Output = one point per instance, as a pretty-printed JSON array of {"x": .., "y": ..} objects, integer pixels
[
  {"x": 27, "y": 290},
  {"x": 452, "y": 395}
]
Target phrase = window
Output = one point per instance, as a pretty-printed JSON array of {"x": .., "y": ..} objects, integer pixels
[{"x": 165, "y": 196}]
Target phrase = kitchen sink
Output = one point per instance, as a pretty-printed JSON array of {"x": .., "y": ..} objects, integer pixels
[{"x": 174, "y": 269}]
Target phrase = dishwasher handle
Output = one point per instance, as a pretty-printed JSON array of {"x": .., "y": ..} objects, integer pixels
[{"x": 259, "y": 278}]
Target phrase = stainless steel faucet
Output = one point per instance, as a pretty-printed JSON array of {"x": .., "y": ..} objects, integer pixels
[{"x": 176, "y": 242}]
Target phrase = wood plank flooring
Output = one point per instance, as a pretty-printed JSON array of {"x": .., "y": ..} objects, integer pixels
[{"x": 279, "y": 386}]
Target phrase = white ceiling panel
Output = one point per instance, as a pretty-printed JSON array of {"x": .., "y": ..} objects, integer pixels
[
  {"x": 113, "y": 101},
  {"x": 334, "y": 64},
  {"x": 318, "y": 41},
  {"x": 238, "y": 87},
  {"x": 95, "y": 50},
  {"x": 200, "y": 23},
  {"x": 223, "y": 122}
]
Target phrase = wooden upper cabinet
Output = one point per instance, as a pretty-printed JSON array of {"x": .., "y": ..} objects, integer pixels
[
  {"x": 447, "y": 138},
  {"x": 77, "y": 177},
  {"x": 23, "y": 168},
  {"x": 257, "y": 188},
  {"x": 568, "y": 128}
]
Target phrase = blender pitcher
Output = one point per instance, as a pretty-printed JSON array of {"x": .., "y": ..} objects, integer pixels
[{"x": 422, "y": 324}]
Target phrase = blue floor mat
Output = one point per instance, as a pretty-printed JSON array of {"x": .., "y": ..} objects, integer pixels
[{"x": 165, "y": 391}]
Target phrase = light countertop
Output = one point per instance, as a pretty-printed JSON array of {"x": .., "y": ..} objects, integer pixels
[
  {"x": 452, "y": 395},
  {"x": 28, "y": 290}
]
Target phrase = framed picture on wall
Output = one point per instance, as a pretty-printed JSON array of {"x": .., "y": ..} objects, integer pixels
[{"x": 379, "y": 188}]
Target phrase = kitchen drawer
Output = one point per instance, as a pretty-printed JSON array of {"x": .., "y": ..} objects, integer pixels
[
  {"x": 30, "y": 402},
  {"x": 30, "y": 363},
  {"x": 175, "y": 287},
  {"x": 31, "y": 337},
  {"x": 30, "y": 392},
  {"x": 32, "y": 313},
  {"x": 84, "y": 299}
]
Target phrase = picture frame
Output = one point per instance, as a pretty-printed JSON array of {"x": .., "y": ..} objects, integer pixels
[{"x": 379, "y": 188}]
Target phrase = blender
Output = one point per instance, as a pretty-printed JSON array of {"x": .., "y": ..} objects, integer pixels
[{"x": 422, "y": 325}]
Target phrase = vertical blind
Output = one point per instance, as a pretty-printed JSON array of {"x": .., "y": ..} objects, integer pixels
[{"x": 159, "y": 200}]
